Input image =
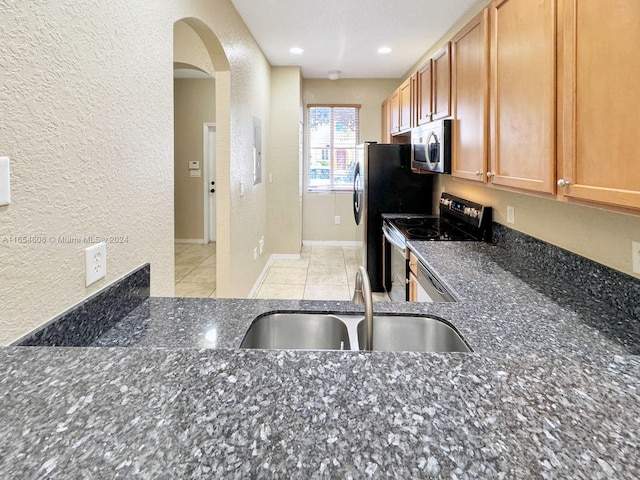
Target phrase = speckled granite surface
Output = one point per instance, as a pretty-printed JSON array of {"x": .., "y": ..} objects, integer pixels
[
  {"x": 184, "y": 413},
  {"x": 95, "y": 315},
  {"x": 552, "y": 390}
]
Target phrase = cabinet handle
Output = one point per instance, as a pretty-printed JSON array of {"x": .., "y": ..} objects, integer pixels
[
  {"x": 490, "y": 174},
  {"x": 478, "y": 173},
  {"x": 563, "y": 183}
]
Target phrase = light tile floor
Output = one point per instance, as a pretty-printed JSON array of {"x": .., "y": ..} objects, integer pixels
[
  {"x": 195, "y": 270},
  {"x": 321, "y": 273}
]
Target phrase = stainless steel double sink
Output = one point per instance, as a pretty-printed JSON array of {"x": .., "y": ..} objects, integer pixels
[{"x": 320, "y": 331}]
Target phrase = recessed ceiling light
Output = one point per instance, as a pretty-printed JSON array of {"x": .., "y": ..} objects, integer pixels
[
  {"x": 296, "y": 50},
  {"x": 384, "y": 50}
]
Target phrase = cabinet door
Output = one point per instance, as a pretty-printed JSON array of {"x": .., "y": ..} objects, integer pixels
[
  {"x": 423, "y": 86},
  {"x": 385, "y": 136},
  {"x": 394, "y": 110},
  {"x": 406, "y": 105},
  {"x": 601, "y": 107},
  {"x": 523, "y": 80},
  {"x": 441, "y": 85},
  {"x": 470, "y": 98}
]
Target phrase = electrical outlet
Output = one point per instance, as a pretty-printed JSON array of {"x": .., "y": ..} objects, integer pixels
[
  {"x": 511, "y": 214},
  {"x": 635, "y": 252},
  {"x": 261, "y": 244},
  {"x": 255, "y": 254},
  {"x": 337, "y": 220},
  {"x": 96, "y": 262}
]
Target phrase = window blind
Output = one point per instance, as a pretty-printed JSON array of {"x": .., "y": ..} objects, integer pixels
[{"x": 333, "y": 132}]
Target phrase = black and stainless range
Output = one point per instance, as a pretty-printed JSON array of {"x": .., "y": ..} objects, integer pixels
[{"x": 458, "y": 220}]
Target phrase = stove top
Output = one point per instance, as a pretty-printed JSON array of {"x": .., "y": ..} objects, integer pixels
[{"x": 459, "y": 220}]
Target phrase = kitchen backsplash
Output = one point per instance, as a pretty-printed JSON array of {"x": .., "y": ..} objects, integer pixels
[
  {"x": 537, "y": 262},
  {"x": 85, "y": 322}
]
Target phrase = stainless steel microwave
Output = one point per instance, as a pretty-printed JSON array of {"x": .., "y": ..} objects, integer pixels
[{"x": 431, "y": 147}]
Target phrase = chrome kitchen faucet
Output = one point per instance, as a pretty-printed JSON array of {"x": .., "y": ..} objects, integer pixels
[{"x": 362, "y": 294}]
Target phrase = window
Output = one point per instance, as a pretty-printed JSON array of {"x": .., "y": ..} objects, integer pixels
[{"x": 333, "y": 132}]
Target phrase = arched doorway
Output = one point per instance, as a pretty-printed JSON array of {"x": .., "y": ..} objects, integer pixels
[{"x": 198, "y": 50}]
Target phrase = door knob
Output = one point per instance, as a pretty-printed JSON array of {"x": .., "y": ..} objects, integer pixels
[
  {"x": 212, "y": 182},
  {"x": 212, "y": 190}
]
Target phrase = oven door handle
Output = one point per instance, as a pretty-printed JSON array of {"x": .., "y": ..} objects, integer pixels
[{"x": 390, "y": 238}]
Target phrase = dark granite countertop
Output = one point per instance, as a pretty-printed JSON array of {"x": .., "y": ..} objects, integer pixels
[{"x": 552, "y": 390}]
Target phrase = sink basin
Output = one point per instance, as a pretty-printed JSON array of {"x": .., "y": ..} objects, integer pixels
[
  {"x": 297, "y": 331},
  {"x": 415, "y": 334},
  {"x": 319, "y": 331}
]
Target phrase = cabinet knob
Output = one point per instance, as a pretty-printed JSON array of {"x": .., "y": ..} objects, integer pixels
[
  {"x": 478, "y": 173},
  {"x": 490, "y": 174},
  {"x": 563, "y": 183}
]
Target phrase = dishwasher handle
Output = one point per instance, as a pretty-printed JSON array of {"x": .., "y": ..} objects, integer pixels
[{"x": 430, "y": 283}]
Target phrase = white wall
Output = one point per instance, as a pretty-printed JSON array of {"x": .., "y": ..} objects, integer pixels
[
  {"x": 87, "y": 102},
  {"x": 319, "y": 209},
  {"x": 283, "y": 173}
]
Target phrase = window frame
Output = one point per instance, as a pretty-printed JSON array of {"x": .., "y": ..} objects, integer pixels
[{"x": 332, "y": 187}]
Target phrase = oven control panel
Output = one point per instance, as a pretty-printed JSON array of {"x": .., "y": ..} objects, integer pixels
[{"x": 466, "y": 210}]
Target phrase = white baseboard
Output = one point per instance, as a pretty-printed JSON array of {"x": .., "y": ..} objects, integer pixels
[
  {"x": 260, "y": 279},
  {"x": 189, "y": 240},
  {"x": 330, "y": 243}
]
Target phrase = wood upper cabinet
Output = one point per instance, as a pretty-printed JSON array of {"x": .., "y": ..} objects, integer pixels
[
  {"x": 385, "y": 134},
  {"x": 394, "y": 112},
  {"x": 406, "y": 104},
  {"x": 523, "y": 89},
  {"x": 441, "y": 83},
  {"x": 601, "y": 101},
  {"x": 423, "y": 94},
  {"x": 470, "y": 99}
]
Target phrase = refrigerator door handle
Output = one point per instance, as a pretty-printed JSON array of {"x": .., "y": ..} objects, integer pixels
[{"x": 357, "y": 195}]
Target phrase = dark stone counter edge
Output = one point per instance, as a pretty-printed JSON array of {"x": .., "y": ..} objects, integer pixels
[
  {"x": 535, "y": 261},
  {"x": 92, "y": 317}
]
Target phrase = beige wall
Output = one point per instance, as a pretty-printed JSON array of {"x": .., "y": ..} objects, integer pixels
[
  {"x": 600, "y": 235},
  {"x": 319, "y": 209},
  {"x": 194, "y": 104},
  {"x": 90, "y": 89},
  {"x": 190, "y": 50},
  {"x": 283, "y": 173}
]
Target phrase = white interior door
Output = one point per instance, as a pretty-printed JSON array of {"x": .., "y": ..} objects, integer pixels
[{"x": 211, "y": 187}]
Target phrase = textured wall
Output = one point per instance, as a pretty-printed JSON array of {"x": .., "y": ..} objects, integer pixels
[
  {"x": 285, "y": 213},
  {"x": 319, "y": 209},
  {"x": 189, "y": 49},
  {"x": 194, "y": 104},
  {"x": 87, "y": 118}
]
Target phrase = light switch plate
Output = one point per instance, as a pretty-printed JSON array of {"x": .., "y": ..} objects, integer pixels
[{"x": 5, "y": 181}]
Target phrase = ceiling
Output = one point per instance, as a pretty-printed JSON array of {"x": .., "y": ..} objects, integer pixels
[{"x": 344, "y": 35}]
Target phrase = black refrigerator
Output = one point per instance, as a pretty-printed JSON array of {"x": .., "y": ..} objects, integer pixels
[{"x": 384, "y": 183}]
